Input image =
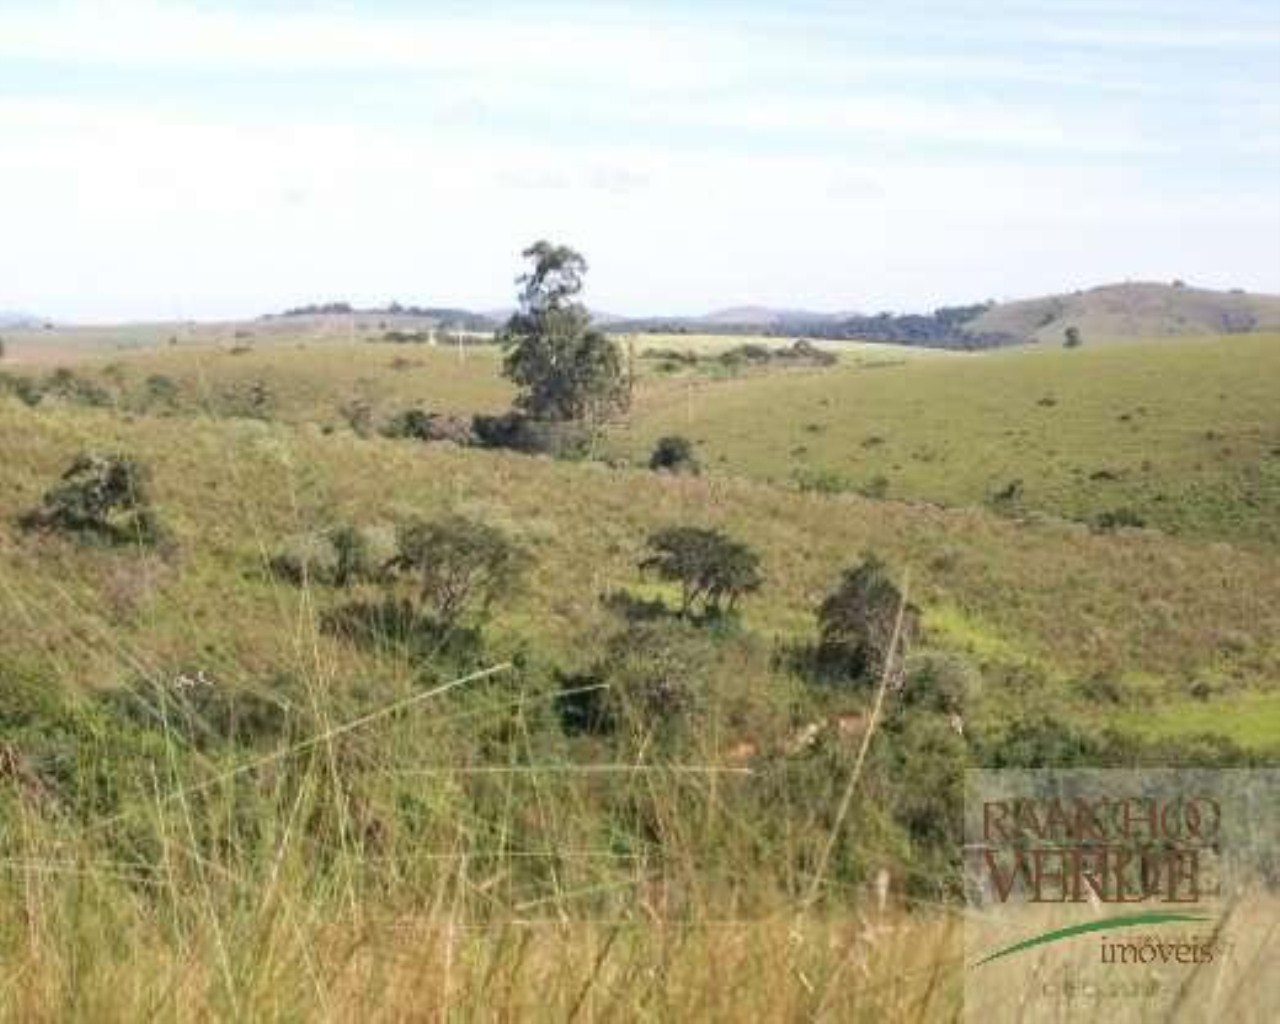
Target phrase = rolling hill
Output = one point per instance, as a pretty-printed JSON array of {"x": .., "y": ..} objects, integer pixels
[
  {"x": 1183, "y": 435},
  {"x": 189, "y": 716},
  {"x": 1131, "y": 310},
  {"x": 1105, "y": 313}
]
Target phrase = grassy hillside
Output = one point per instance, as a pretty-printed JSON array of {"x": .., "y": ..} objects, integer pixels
[
  {"x": 44, "y": 344},
  {"x": 215, "y": 803},
  {"x": 1134, "y": 310},
  {"x": 1184, "y": 434},
  {"x": 233, "y": 490}
]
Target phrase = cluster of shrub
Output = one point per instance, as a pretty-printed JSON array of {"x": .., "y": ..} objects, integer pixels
[
  {"x": 945, "y": 327},
  {"x": 426, "y": 588},
  {"x": 514, "y": 431},
  {"x": 102, "y": 496},
  {"x": 158, "y": 392},
  {"x": 1008, "y": 500},
  {"x": 801, "y": 352},
  {"x": 460, "y": 319},
  {"x": 829, "y": 481},
  {"x": 62, "y": 384}
]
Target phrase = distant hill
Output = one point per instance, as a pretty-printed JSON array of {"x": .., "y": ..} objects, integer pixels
[
  {"x": 943, "y": 328},
  {"x": 13, "y": 320},
  {"x": 1106, "y": 313},
  {"x": 421, "y": 316},
  {"x": 1130, "y": 310}
]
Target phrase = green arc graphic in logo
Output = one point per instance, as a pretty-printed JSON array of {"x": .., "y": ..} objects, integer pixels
[{"x": 1124, "y": 921}]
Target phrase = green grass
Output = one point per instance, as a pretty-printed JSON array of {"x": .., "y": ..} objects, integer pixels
[
  {"x": 1182, "y": 433},
  {"x": 1186, "y": 433},
  {"x": 1250, "y": 719},
  {"x": 713, "y": 344},
  {"x": 310, "y": 382},
  {"x": 234, "y": 490},
  {"x": 467, "y": 856}
]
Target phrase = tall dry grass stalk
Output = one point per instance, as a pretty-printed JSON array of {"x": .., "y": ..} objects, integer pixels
[{"x": 308, "y": 913}]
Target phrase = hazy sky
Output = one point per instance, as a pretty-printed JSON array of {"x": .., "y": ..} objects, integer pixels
[{"x": 162, "y": 159}]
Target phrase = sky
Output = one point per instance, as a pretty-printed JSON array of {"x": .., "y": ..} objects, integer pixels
[{"x": 167, "y": 160}]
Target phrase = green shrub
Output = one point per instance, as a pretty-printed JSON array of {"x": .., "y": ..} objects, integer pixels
[
  {"x": 339, "y": 556},
  {"x": 66, "y": 385},
  {"x": 656, "y": 673},
  {"x": 1118, "y": 519},
  {"x": 26, "y": 389},
  {"x": 940, "y": 681},
  {"x": 103, "y": 495},
  {"x": 821, "y": 481},
  {"x": 517, "y": 432},
  {"x": 460, "y": 566},
  {"x": 856, "y": 622},
  {"x": 713, "y": 570},
  {"x": 674, "y": 454}
]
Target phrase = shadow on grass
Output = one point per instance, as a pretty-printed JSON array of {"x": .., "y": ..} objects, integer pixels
[{"x": 396, "y": 625}]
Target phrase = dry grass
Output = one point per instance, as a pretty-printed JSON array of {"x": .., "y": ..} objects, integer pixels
[
  {"x": 453, "y": 860},
  {"x": 1079, "y": 602}
]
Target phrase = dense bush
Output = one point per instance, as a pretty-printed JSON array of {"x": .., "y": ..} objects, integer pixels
[
  {"x": 821, "y": 481},
  {"x": 66, "y": 385},
  {"x": 940, "y": 681},
  {"x": 251, "y": 399},
  {"x": 656, "y": 673},
  {"x": 674, "y": 454},
  {"x": 358, "y": 414},
  {"x": 161, "y": 391},
  {"x": 429, "y": 426},
  {"x": 62, "y": 751},
  {"x": 713, "y": 571},
  {"x": 652, "y": 679},
  {"x": 339, "y": 556},
  {"x": 102, "y": 495},
  {"x": 856, "y": 622},
  {"x": 207, "y": 713},
  {"x": 460, "y": 566},
  {"x": 63, "y": 385},
  {"x": 26, "y": 389},
  {"x": 521, "y": 433},
  {"x": 1117, "y": 519}
]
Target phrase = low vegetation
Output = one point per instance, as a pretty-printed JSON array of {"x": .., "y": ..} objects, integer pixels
[
  {"x": 376, "y": 717},
  {"x": 102, "y": 496},
  {"x": 1182, "y": 434}
]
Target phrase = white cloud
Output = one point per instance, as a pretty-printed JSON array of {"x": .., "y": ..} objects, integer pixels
[{"x": 689, "y": 166}]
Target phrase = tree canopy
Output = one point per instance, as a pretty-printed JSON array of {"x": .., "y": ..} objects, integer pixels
[
  {"x": 566, "y": 369},
  {"x": 856, "y": 621},
  {"x": 711, "y": 568},
  {"x": 460, "y": 564}
]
